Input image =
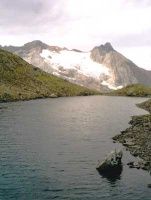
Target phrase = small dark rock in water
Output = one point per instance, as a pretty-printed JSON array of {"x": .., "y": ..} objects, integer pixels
[
  {"x": 139, "y": 165},
  {"x": 130, "y": 163},
  {"x": 149, "y": 185},
  {"x": 133, "y": 165},
  {"x": 4, "y": 107}
]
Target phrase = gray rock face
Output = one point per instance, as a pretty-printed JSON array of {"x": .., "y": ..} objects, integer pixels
[{"x": 122, "y": 71}]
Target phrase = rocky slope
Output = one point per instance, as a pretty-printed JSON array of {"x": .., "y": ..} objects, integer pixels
[
  {"x": 123, "y": 71},
  {"x": 137, "y": 138},
  {"x": 21, "y": 81},
  {"x": 101, "y": 68}
]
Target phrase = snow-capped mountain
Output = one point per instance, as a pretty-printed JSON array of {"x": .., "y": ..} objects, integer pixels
[{"x": 100, "y": 68}]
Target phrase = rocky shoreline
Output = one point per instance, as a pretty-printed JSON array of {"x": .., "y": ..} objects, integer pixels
[{"x": 137, "y": 138}]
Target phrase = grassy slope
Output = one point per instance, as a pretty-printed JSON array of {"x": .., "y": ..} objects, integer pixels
[
  {"x": 136, "y": 90},
  {"x": 22, "y": 81}
]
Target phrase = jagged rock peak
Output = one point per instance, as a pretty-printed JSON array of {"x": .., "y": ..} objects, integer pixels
[{"x": 107, "y": 47}]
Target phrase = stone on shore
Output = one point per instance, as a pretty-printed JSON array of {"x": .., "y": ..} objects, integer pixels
[{"x": 137, "y": 138}]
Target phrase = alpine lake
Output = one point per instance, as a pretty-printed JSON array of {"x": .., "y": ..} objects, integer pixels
[{"x": 50, "y": 149}]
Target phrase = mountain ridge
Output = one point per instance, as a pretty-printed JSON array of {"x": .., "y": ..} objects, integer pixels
[
  {"x": 20, "y": 80},
  {"x": 103, "y": 66}
]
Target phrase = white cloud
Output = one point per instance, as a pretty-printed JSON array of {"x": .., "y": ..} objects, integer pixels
[
  {"x": 141, "y": 56},
  {"x": 79, "y": 24}
]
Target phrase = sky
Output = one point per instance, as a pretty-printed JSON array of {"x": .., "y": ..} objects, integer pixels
[{"x": 80, "y": 24}]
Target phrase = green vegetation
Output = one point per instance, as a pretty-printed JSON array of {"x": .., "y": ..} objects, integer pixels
[
  {"x": 22, "y": 81},
  {"x": 134, "y": 90}
]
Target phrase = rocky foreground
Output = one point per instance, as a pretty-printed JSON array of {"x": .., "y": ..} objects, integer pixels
[{"x": 137, "y": 138}]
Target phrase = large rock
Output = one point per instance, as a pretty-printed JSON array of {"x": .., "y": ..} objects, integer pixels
[{"x": 112, "y": 163}]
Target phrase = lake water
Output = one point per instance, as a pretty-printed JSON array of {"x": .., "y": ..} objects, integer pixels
[{"x": 49, "y": 149}]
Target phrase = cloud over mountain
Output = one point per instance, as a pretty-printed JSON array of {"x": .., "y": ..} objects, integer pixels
[{"x": 80, "y": 24}]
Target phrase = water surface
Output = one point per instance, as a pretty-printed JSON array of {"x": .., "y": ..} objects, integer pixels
[{"x": 49, "y": 149}]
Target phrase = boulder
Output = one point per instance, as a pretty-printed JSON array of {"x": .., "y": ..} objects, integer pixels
[{"x": 112, "y": 162}]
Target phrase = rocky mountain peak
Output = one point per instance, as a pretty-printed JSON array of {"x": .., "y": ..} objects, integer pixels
[
  {"x": 35, "y": 44},
  {"x": 98, "y": 53},
  {"x": 107, "y": 47}
]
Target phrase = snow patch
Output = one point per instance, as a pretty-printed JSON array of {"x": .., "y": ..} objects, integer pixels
[{"x": 79, "y": 61}]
